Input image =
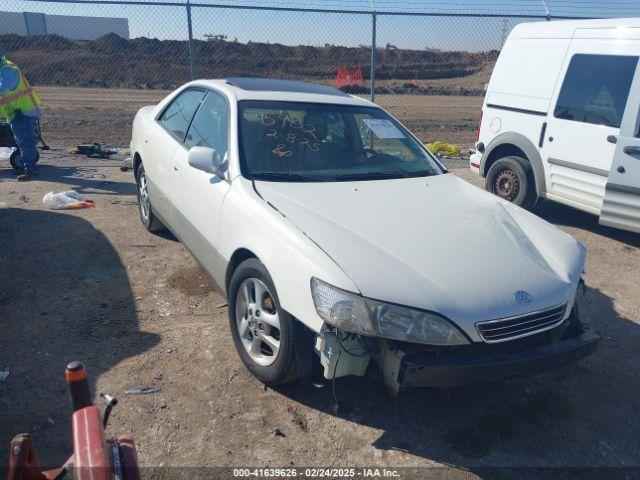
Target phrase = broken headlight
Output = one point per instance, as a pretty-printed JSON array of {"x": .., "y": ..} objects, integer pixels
[
  {"x": 408, "y": 325},
  {"x": 342, "y": 309},
  {"x": 353, "y": 313}
]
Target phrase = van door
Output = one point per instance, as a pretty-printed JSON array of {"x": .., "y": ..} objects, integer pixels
[
  {"x": 621, "y": 205},
  {"x": 587, "y": 110}
]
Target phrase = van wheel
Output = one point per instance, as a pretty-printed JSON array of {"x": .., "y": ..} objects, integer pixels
[
  {"x": 263, "y": 333},
  {"x": 511, "y": 178},
  {"x": 149, "y": 220}
]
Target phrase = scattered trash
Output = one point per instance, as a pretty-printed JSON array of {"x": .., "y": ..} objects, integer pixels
[
  {"x": 222, "y": 305},
  {"x": 127, "y": 163},
  {"x": 4, "y": 374},
  {"x": 124, "y": 202},
  {"x": 443, "y": 149},
  {"x": 163, "y": 403},
  {"x": 93, "y": 150},
  {"x": 138, "y": 390},
  {"x": 51, "y": 420},
  {"x": 277, "y": 432},
  {"x": 157, "y": 376},
  {"x": 68, "y": 200}
]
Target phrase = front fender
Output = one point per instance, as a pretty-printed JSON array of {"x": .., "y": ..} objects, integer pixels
[{"x": 292, "y": 259}]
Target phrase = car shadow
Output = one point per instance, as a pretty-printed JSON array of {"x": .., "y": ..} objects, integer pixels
[
  {"x": 85, "y": 179},
  {"x": 64, "y": 295},
  {"x": 584, "y": 415},
  {"x": 560, "y": 214}
]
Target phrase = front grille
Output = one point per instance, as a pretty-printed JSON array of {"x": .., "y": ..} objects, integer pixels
[{"x": 493, "y": 331}]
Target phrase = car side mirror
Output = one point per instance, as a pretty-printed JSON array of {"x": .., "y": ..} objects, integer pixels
[{"x": 205, "y": 159}]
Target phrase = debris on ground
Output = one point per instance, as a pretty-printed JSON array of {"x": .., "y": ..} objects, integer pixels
[
  {"x": 97, "y": 150},
  {"x": 4, "y": 374},
  {"x": 277, "y": 432},
  {"x": 445, "y": 149},
  {"x": 68, "y": 200},
  {"x": 157, "y": 376},
  {"x": 127, "y": 164},
  {"x": 138, "y": 390}
]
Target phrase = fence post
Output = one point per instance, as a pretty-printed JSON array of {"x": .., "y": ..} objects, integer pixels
[
  {"x": 192, "y": 68},
  {"x": 373, "y": 56}
]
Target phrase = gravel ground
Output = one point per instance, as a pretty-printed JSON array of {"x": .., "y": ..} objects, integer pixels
[{"x": 93, "y": 284}]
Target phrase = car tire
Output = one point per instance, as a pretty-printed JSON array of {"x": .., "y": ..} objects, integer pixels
[
  {"x": 511, "y": 179},
  {"x": 148, "y": 218},
  {"x": 263, "y": 333},
  {"x": 16, "y": 160}
]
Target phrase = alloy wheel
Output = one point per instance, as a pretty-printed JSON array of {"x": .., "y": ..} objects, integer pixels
[
  {"x": 257, "y": 321},
  {"x": 143, "y": 195}
]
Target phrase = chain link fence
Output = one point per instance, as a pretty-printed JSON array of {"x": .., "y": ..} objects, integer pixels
[{"x": 96, "y": 62}]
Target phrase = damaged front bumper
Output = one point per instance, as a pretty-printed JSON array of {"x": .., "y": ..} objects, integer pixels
[{"x": 409, "y": 365}]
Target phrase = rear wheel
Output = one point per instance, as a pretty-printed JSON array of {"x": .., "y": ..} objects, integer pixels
[
  {"x": 263, "y": 333},
  {"x": 149, "y": 220},
  {"x": 511, "y": 178}
]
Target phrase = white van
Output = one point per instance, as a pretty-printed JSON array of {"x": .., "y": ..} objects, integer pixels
[{"x": 560, "y": 119}]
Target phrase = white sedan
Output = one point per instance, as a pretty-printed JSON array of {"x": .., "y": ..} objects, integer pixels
[{"x": 343, "y": 245}]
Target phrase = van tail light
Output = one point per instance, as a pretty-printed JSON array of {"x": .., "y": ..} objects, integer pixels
[{"x": 479, "y": 125}]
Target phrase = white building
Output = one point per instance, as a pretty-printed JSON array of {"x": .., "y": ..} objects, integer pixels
[{"x": 73, "y": 27}]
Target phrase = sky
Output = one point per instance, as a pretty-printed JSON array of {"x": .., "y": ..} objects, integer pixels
[{"x": 348, "y": 29}]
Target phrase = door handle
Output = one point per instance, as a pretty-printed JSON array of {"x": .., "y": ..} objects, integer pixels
[
  {"x": 631, "y": 150},
  {"x": 612, "y": 139}
]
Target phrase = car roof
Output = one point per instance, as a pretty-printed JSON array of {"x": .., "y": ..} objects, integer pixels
[
  {"x": 566, "y": 28},
  {"x": 251, "y": 88},
  {"x": 279, "y": 85}
]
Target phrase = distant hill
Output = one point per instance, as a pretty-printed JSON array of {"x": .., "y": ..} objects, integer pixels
[{"x": 112, "y": 61}]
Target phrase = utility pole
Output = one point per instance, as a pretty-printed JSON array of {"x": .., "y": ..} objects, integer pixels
[
  {"x": 505, "y": 31},
  {"x": 546, "y": 9},
  {"x": 192, "y": 60},
  {"x": 373, "y": 49}
]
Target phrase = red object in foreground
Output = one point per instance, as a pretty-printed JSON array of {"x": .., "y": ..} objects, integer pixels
[
  {"x": 94, "y": 457},
  {"x": 91, "y": 457}
]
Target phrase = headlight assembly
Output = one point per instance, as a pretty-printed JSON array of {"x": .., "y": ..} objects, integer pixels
[
  {"x": 354, "y": 313},
  {"x": 342, "y": 309},
  {"x": 405, "y": 324}
]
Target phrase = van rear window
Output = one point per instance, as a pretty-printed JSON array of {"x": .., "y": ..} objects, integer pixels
[{"x": 596, "y": 88}]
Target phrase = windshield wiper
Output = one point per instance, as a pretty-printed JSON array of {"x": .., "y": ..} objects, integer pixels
[
  {"x": 285, "y": 176},
  {"x": 378, "y": 175}
]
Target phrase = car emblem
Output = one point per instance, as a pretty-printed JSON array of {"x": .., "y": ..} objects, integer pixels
[{"x": 522, "y": 297}]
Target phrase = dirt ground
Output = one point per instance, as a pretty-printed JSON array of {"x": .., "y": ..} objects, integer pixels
[
  {"x": 87, "y": 115},
  {"x": 93, "y": 284}
]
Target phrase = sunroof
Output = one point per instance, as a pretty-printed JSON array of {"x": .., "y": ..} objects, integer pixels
[{"x": 275, "y": 85}]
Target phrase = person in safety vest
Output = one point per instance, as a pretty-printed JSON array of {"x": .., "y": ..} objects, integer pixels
[{"x": 20, "y": 105}]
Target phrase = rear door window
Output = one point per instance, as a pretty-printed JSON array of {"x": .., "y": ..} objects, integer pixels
[
  {"x": 596, "y": 88},
  {"x": 177, "y": 116}
]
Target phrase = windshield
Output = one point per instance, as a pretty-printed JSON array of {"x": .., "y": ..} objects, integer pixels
[{"x": 312, "y": 142}]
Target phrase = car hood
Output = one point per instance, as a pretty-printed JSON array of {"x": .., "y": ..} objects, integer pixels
[{"x": 436, "y": 243}]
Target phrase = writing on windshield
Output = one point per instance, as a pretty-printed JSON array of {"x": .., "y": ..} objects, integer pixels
[
  {"x": 287, "y": 131},
  {"x": 295, "y": 141}
]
